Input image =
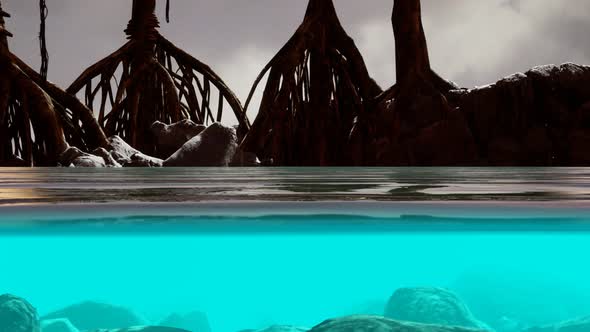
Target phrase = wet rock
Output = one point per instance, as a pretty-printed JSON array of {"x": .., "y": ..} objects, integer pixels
[
  {"x": 17, "y": 315},
  {"x": 431, "y": 306},
  {"x": 127, "y": 156},
  {"x": 195, "y": 321},
  {"x": 13, "y": 161},
  {"x": 74, "y": 157},
  {"x": 215, "y": 146},
  {"x": 576, "y": 325},
  {"x": 382, "y": 324},
  {"x": 93, "y": 315},
  {"x": 58, "y": 325},
  {"x": 172, "y": 137}
]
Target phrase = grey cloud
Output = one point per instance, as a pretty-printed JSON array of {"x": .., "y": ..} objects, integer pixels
[{"x": 472, "y": 42}]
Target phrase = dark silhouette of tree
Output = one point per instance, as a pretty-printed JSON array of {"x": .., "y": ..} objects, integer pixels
[
  {"x": 317, "y": 84},
  {"x": 149, "y": 79},
  {"x": 37, "y": 119}
]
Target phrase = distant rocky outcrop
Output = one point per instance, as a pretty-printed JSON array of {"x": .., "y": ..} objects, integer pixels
[
  {"x": 58, "y": 325},
  {"x": 94, "y": 315},
  {"x": 537, "y": 118},
  {"x": 170, "y": 138},
  {"x": 431, "y": 306},
  {"x": 215, "y": 146},
  {"x": 17, "y": 315},
  {"x": 575, "y": 325},
  {"x": 195, "y": 321},
  {"x": 381, "y": 324}
]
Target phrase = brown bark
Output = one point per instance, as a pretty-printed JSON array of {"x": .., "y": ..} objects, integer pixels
[
  {"x": 158, "y": 82},
  {"x": 317, "y": 84}
]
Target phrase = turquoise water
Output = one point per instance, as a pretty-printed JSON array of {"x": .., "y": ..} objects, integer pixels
[{"x": 253, "y": 248}]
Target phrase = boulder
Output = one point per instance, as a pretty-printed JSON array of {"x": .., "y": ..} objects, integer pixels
[
  {"x": 382, "y": 324},
  {"x": 128, "y": 156},
  {"x": 575, "y": 325},
  {"x": 107, "y": 157},
  {"x": 170, "y": 138},
  {"x": 431, "y": 306},
  {"x": 244, "y": 159},
  {"x": 195, "y": 321},
  {"x": 74, "y": 157},
  {"x": 58, "y": 325},
  {"x": 215, "y": 146},
  {"x": 142, "y": 329},
  {"x": 93, "y": 315},
  {"x": 17, "y": 315},
  {"x": 283, "y": 328}
]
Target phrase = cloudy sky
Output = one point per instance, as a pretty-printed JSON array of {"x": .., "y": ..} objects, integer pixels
[{"x": 472, "y": 42}]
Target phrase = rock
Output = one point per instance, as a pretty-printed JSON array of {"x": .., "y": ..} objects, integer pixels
[
  {"x": 508, "y": 324},
  {"x": 107, "y": 157},
  {"x": 17, "y": 315},
  {"x": 76, "y": 158},
  {"x": 284, "y": 328},
  {"x": 576, "y": 325},
  {"x": 127, "y": 156},
  {"x": 142, "y": 329},
  {"x": 431, "y": 306},
  {"x": 172, "y": 137},
  {"x": 58, "y": 325},
  {"x": 195, "y": 321},
  {"x": 93, "y": 315},
  {"x": 215, "y": 146},
  {"x": 382, "y": 324},
  {"x": 244, "y": 159}
]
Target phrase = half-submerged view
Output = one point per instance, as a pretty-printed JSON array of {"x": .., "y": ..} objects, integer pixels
[{"x": 145, "y": 195}]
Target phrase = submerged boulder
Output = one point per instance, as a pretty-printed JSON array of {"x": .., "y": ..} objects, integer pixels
[
  {"x": 215, "y": 146},
  {"x": 143, "y": 329},
  {"x": 576, "y": 325},
  {"x": 382, "y": 324},
  {"x": 431, "y": 306},
  {"x": 58, "y": 325},
  {"x": 195, "y": 321},
  {"x": 283, "y": 328},
  {"x": 170, "y": 138},
  {"x": 94, "y": 315},
  {"x": 17, "y": 315}
]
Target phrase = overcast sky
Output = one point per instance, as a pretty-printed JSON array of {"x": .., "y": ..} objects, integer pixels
[{"x": 472, "y": 42}]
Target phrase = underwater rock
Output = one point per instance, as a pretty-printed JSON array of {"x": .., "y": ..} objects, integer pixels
[
  {"x": 172, "y": 137},
  {"x": 575, "y": 325},
  {"x": 92, "y": 316},
  {"x": 127, "y": 156},
  {"x": 283, "y": 328},
  {"x": 215, "y": 146},
  {"x": 195, "y": 321},
  {"x": 508, "y": 324},
  {"x": 431, "y": 306},
  {"x": 17, "y": 315},
  {"x": 58, "y": 325},
  {"x": 143, "y": 329},
  {"x": 382, "y": 324},
  {"x": 74, "y": 157}
]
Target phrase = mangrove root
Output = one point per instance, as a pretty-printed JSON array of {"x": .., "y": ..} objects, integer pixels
[
  {"x": 317, "y": 84},
  {"x": 149, "y": 79}
]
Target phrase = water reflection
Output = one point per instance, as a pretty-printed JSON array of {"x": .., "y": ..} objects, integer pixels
[{"x": 48, "y": 185}]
